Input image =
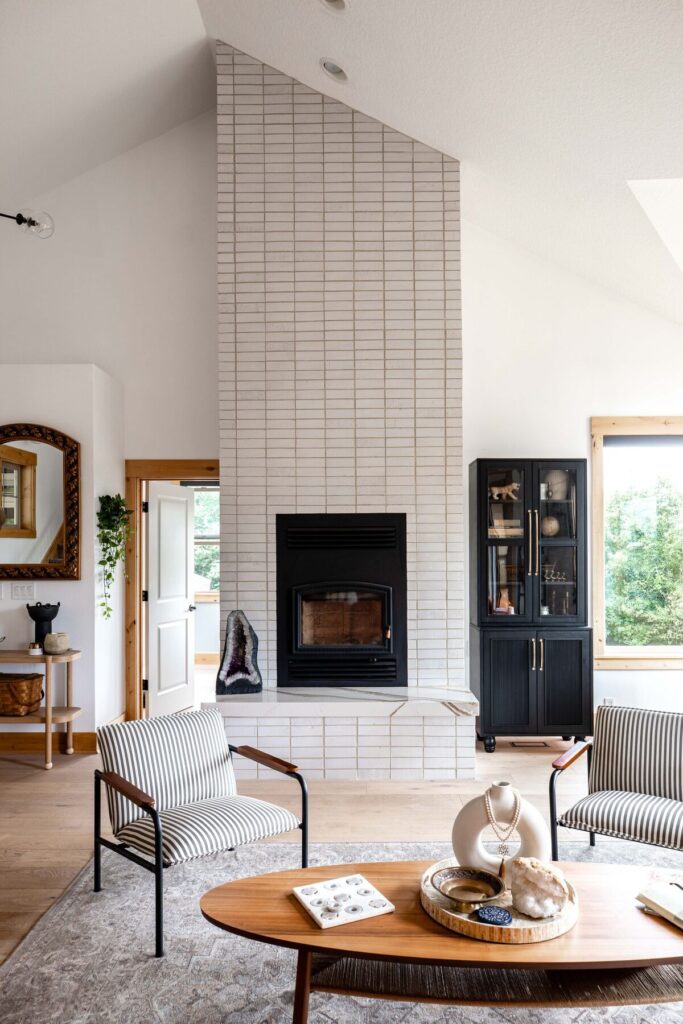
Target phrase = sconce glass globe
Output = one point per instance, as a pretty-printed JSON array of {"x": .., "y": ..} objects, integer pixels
[{"x": 37, "y": 222}]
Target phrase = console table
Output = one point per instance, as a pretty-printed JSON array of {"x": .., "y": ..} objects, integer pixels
[{"x": 49, "y": 714}]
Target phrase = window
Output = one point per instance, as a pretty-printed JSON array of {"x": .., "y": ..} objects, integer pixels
[
  {"x": 638, "y": 542},
  {"x": 17, "y": 492},
  {"x": 207, "y": 565}
]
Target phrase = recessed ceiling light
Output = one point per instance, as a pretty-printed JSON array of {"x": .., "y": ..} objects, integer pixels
[
  {"x": 333, "y": 69},
  {"x": 335, "y": 5}
]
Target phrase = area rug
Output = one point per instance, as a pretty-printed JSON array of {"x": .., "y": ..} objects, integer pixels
[{"x": 88, "y": 960}]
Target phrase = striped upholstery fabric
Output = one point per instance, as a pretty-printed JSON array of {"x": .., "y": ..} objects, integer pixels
[
  {"x": 177, "y": 759},
  {"x": 637, "y": 816},
  {"x": 209, "y": 826},
  {"x": 637, "y": 751}
]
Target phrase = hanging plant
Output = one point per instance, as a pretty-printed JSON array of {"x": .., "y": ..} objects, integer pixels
[{"x": 113, "y": 532}]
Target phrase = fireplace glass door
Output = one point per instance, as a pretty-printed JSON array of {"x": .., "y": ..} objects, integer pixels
[{"x": 342, "y": 616}]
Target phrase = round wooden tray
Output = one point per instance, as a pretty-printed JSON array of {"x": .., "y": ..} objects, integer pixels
[{"x": 523, "y": 929}]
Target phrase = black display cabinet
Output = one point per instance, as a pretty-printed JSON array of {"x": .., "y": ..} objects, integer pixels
[{"x": 531, "y": 659}]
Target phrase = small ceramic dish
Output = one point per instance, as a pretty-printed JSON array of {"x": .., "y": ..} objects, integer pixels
[{"x": 468, "y": 888}]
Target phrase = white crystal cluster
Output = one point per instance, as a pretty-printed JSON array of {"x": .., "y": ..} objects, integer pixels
[{"x": 538, "y": 889}]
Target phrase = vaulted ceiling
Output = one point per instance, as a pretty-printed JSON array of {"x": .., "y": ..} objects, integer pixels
[
  {"x": 82, "y": 81},
  {"x": 551, "y": 105}
]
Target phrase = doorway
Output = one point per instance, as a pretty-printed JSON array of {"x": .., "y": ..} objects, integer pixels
[{"x": 172, "y": 565}]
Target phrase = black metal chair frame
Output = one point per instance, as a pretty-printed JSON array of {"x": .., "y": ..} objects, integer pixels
[
  {"x": 146, "y": 803},
  {"x": 560, "y": 764}
]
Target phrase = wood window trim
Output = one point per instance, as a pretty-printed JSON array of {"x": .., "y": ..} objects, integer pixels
[
  {"x": 26, "y": 462},
  {"x": 137, "y": 471},
  {"x": 602, "y": 427}
]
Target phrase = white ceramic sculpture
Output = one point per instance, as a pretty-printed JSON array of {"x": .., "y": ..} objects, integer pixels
[{"x": 473, "y": 820}]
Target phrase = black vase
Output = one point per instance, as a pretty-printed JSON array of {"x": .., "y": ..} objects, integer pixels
[{"x": 42, "y": 615}]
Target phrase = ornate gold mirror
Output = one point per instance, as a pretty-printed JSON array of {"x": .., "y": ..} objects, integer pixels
[{"x": 39, "y": 503}]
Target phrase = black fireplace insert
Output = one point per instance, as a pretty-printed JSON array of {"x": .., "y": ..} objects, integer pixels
[{"x": 341, "y": 600}]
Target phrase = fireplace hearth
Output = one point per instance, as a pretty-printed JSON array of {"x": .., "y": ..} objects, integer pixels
[{"x": 341, "y": 600}]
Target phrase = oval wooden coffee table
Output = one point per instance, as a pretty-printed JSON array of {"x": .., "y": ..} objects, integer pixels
[{"x": 615, "y": 954}]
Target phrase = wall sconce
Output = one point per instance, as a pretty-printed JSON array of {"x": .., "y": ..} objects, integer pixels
[{"x": 35, "y": 222}]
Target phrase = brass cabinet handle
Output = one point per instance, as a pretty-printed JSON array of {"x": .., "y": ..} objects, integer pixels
[
  {"x": 538, "y": 544},
  {"x": 533, "y": 655},
  {"x": 531, "y": 559},
  {"x": 540, "y": 667}
]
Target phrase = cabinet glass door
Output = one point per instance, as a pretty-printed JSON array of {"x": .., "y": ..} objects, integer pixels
[
  {"x": 508, "y": 579},
  {"x": 558, "y": 496},
  {"x": 558, "y": 583},
  {"x": 505, "y": 503},
  {"x": 557, "y": 503}
]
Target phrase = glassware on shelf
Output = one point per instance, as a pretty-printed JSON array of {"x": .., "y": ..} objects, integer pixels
[{"x": 558, "y": 582}]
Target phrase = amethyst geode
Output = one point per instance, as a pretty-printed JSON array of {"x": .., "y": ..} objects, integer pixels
[{"x": 239, "y": 671}]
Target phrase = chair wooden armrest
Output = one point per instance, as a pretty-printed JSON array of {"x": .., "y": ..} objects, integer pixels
[
  {"x": 571, "y": 755},
  {"x": 267, "y": 760},
  {"x": 128, "y": 790}
]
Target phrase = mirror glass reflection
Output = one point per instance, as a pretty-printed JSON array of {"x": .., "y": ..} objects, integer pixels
[{"x": 31, "y": 503}]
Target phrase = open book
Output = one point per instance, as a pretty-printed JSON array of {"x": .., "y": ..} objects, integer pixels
[{"x": 664, "y": 899}]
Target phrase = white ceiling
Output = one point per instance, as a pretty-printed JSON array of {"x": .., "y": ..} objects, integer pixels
[
  {"x": 552, "y": 106},
  {"x": 82, "y": 81}
]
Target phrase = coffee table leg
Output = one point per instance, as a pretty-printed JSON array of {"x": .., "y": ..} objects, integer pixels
[{"x": 303, "y": 987}]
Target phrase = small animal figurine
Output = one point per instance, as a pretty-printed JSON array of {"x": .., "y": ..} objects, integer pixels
[{"x": 508, "y": 492}]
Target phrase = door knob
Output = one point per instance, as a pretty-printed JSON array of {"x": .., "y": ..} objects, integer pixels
[{"x": 192, "y": 608}]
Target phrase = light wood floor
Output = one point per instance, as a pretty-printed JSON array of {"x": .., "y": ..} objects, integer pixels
[{"x": 46, "y": 817}]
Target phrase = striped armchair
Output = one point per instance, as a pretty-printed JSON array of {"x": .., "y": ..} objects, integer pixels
[
  {"x": 635, "y": 779},
  {"x": 172, "y": 796}
]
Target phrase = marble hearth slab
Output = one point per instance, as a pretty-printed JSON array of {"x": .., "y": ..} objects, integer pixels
[{"x": 352, "y": 701}]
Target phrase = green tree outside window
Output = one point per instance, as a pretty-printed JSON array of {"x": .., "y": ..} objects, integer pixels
[{"x": 644, "y": 566}]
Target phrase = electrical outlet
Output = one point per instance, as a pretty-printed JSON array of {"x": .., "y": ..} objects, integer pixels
[
  {"x": 608, "y": 702},
  {"x": 23, "y": 591}
]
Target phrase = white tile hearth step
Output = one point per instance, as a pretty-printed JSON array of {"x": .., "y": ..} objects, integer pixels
[{"x": 400, "y": 733}]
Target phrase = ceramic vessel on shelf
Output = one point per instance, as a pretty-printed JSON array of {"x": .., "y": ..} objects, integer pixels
[
  {"x": 472, "y": 822},
  {"x": 550, "y": 526},
  {"x": 57, "y": 643},
  {"x": 557, "y": 482},
  {"x": 42, "y": 615},
  {"x": 35, "y": 649}
]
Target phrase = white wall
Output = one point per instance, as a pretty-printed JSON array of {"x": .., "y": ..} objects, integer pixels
[
  {"x": 86, "y": 404},
  {"x": 128, "y": 282},
  {"x": 544, "y": 350}
]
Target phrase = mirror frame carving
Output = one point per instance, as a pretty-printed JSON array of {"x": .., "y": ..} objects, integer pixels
[{"x": 70, "y": 569}]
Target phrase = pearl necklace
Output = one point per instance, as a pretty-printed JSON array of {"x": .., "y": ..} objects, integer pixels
[{"x": 503, "y": 833}]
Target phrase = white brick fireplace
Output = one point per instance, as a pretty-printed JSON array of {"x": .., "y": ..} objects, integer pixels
[{"x": 339, "y": 346}]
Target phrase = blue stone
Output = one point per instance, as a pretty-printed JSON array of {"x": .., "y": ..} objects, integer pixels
[{"x": 493, "y": 915}]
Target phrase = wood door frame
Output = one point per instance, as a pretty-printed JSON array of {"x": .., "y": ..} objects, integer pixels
[{"x": 137, "y": 472}]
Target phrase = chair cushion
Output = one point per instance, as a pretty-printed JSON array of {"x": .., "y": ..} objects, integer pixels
[
  {"x": 637, "y": 751},
  {"x": 209, "y": 826},
  {"x": 646, "y": 819},
  {"x": 177, "y": 759}
]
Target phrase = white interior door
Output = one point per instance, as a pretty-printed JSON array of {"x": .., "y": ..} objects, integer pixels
[{"x": 170, "y": 601}]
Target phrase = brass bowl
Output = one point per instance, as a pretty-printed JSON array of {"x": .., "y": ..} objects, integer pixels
[{"x": 468, "y": 888}]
